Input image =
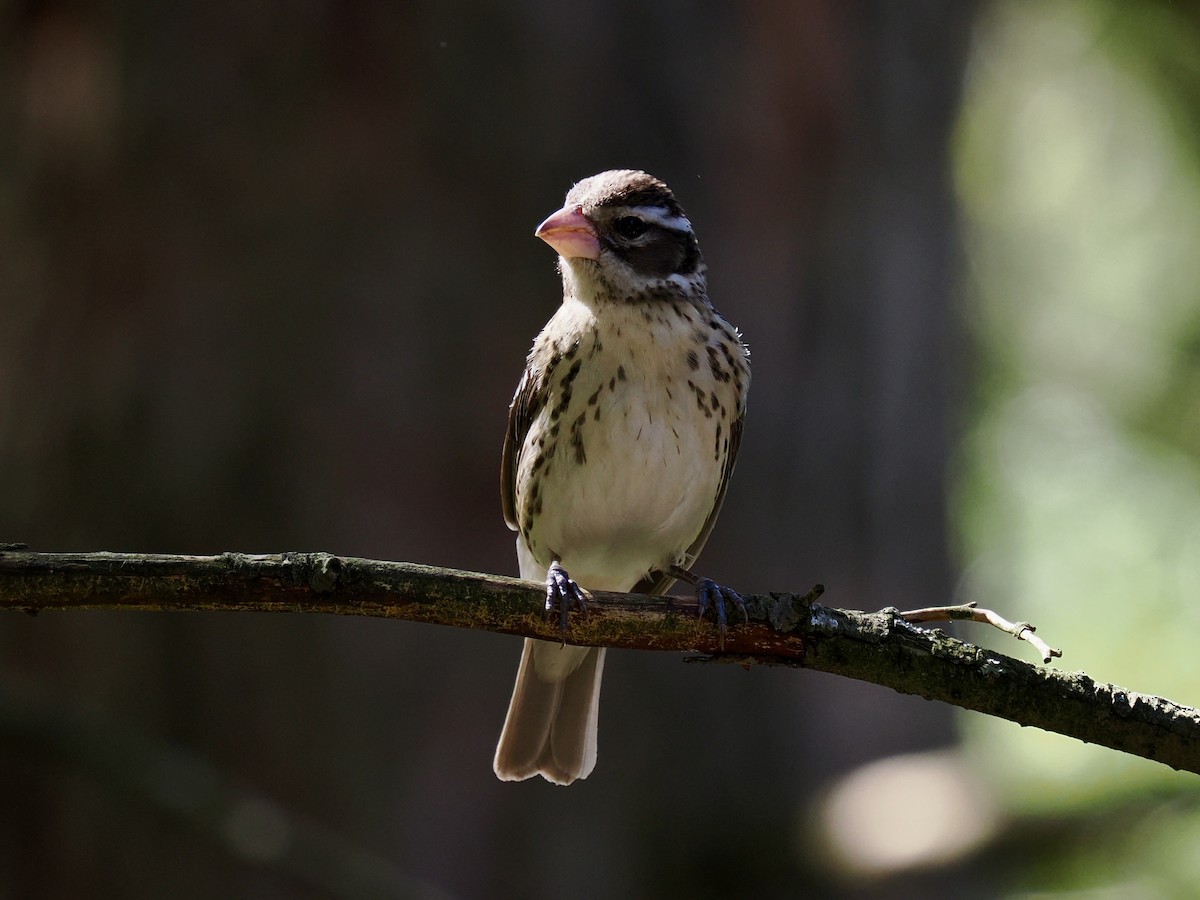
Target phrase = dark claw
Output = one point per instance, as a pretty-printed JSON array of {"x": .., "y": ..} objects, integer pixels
[
  {"x": 562, "y": 593},
  {"x": 709, "y": 593}
]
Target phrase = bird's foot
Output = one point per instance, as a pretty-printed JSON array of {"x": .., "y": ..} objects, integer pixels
[
  {"x": 562, "y": 593},
  {"x": 710, "y": 595}
]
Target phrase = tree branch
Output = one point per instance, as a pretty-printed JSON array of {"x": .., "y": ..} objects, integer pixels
[{"x": 783, "y": 629}]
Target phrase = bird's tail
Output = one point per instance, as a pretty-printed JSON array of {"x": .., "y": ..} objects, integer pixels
[{"x": 550, "y": 729}]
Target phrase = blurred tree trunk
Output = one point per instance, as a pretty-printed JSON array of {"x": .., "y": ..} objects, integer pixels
[{"x": 269, "y": 281}]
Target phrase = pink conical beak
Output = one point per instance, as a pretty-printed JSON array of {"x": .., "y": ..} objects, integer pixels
[{"x": 570, "y": 233}]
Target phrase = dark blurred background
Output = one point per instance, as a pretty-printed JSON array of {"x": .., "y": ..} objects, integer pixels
[{"x": 267, "y": 278}]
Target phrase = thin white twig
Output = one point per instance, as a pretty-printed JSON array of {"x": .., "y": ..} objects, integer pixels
[{"x": 1022, "y": 631}]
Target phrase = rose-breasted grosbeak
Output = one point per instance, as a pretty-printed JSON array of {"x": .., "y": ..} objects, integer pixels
[{"x": 621, "y": 440}]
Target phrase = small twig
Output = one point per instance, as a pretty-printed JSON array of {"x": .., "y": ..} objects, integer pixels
[{"x": 1022, "y": 631}]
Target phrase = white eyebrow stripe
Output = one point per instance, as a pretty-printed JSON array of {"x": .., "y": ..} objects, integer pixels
[{"x": 660, "y": 215}]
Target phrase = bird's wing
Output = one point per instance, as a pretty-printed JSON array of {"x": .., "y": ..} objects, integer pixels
[
  {"x": 527, "y": 402},
  {"x": 660, "y": 582}
]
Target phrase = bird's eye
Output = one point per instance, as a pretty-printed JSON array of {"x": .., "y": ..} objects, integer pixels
[{"x": 630, "y": 227}]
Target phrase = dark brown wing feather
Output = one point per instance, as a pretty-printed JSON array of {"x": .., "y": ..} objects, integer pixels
[
  {"x": 527, "y": 402},
  {"x": 660, "y": 583}
]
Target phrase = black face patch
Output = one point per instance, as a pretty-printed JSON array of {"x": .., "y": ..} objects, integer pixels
[{"x": 659, "y": 252}]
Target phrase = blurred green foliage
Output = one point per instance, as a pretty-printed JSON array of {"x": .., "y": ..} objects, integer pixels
[{"x": 1078, "y": 499}]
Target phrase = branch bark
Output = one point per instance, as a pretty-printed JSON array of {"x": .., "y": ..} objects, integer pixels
[{"x": 784, "y": 629}]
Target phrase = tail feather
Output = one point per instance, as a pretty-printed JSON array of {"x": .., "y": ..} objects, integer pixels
[{"x": 551, "y": 726}]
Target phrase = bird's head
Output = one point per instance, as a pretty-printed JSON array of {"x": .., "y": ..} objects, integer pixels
[{"x": 622, "y": 236}]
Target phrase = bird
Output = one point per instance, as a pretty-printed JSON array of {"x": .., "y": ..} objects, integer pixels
[{"x": 621, "y": 440}]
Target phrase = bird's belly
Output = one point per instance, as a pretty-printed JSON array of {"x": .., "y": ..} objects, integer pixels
[{"x": 627, "y": 490}]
